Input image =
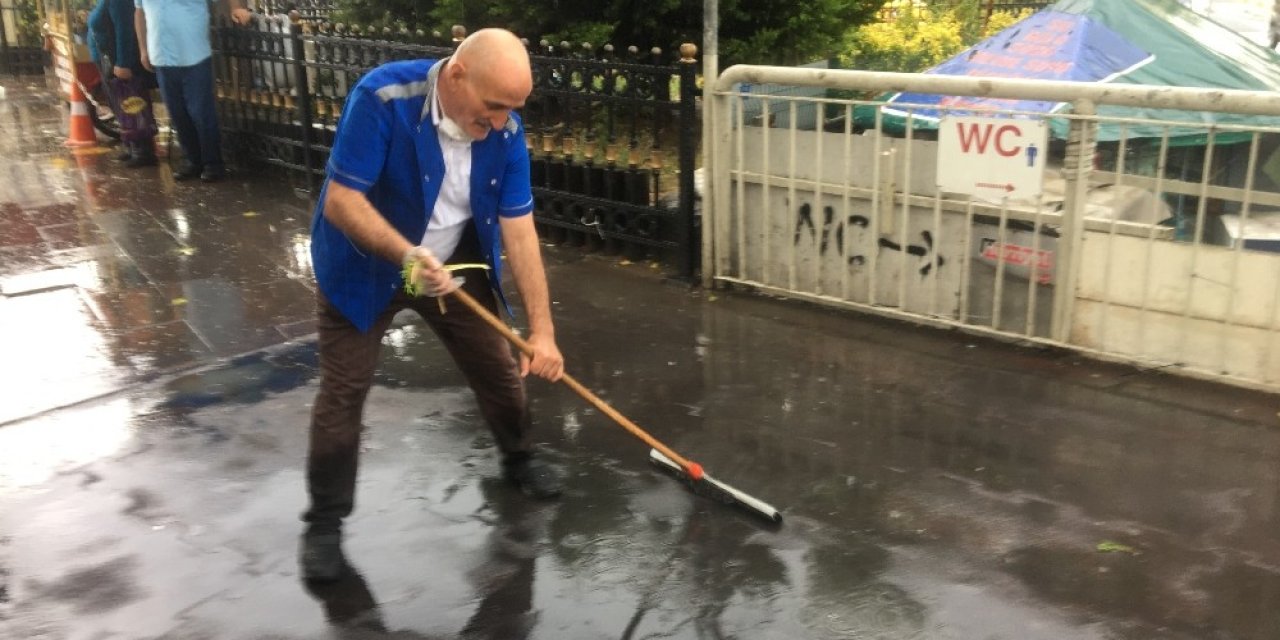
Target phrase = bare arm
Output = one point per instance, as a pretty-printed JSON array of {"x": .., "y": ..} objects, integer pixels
[
  {"x": 520, "y": 239},
  {"x": 140, "y": 26}
]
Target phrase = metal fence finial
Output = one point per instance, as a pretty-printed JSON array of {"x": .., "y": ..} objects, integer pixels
[{"x": 688, "y": 53}]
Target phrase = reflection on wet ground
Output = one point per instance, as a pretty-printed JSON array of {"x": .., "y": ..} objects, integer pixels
[
  {"x": 161, "y": 376},
  {"x": 128, "y": 274}
]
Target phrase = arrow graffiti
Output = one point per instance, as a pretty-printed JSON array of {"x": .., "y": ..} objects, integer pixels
[{"x": 918, "y": 251}]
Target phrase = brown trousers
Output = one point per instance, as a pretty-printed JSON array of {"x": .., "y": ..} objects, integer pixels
[{"x": 347, "y": 362}]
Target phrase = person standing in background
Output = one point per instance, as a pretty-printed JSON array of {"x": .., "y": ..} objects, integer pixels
[
  {"x": 173, "y": 36},
  {"x": 113, "y": 44}
]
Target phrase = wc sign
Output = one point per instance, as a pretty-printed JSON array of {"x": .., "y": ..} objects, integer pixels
[{"x": 992, "y": 158}]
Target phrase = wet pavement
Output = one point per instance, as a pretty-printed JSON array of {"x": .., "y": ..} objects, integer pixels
[{"x": 160, "y": 366}]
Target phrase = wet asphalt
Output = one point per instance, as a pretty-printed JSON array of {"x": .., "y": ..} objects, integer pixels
[{"x": 159, "y": 367}]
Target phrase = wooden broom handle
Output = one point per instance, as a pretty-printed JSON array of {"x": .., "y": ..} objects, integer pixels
[{"x": 572, "y": 383}]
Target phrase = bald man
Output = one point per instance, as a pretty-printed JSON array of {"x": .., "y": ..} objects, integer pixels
[{"x": 429, "y": 168}]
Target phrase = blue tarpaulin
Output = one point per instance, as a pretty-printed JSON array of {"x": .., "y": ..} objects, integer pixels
[{"x": 1049, "y": 45}]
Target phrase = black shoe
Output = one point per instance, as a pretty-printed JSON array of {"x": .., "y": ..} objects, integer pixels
[
  {"x": 125, "y": 155},
  {"x": 320, "y": 556},
  {"x": 142, "y": 160},
  {"x": 213, "y": 174},
  {"x": 534, "y": 477},
  {"x": 349, "y": 605},
  {"x": 188, "y": 172}
]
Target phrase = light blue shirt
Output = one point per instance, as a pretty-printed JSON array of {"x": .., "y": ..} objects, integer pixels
[{"x": 177, "y": 31}]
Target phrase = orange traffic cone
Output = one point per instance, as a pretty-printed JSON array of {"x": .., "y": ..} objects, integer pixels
[{"x": 80, "y": 129}]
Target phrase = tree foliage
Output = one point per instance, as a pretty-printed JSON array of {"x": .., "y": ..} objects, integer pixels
[
  {"x": 751, "y": 31},
  {"x": 27, "y": 21},
  {"x": 916, "y": 35}
]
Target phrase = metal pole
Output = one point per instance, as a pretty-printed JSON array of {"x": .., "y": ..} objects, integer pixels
[
  {"x": 688, "y": 235},
  {"x": 6, "y": 17},
  {"x": 302, "y": 88},
  {"x": 1263, "y": 103},
  {"x": 710, "y": 71},
  {"x": 1081, "y": 144}
]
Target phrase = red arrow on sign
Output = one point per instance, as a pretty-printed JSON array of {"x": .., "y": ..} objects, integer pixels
[{"x": 992, "y": 185}]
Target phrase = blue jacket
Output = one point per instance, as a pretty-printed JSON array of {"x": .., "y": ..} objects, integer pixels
[
  {"x": 111, "y": 32},
  {"x": 387, "y": 148}
]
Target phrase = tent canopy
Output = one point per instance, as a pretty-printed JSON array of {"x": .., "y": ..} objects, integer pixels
[{"x": 1151, "y": 42}]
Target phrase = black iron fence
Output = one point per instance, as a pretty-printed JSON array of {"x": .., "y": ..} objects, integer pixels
[
  {"x": 307, "y": 9},
  {"x": 988, "y": 6},
  {"x": 892, "y": 11},
  {"x": 21, "y": 45},
  {"x": 612, "y": 134},
  {"x": 1017, "y": 5}
]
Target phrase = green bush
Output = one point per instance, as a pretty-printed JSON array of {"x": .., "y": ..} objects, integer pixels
[{"x": 916, "y": 35}]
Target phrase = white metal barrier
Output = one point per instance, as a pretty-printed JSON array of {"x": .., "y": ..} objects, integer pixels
[{"x": 1137, "y": 249}]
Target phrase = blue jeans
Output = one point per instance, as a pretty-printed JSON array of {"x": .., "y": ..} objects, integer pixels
[{"x": 188, "y": 94}]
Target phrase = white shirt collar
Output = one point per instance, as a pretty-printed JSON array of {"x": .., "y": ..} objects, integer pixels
[
  {"x": 436, "y": 110},
  {"x": 445, "y": 125}
]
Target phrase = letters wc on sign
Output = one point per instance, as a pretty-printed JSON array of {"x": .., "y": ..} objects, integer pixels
[{"x": 992, "y": 159}]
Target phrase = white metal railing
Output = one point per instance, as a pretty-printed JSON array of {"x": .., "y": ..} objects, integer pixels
[{"x": 1139, "y": 250}]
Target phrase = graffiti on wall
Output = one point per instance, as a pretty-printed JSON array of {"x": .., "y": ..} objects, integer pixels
[
  {"x": 832, "y": 234},
  {"x": 924, "y": 251}
]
